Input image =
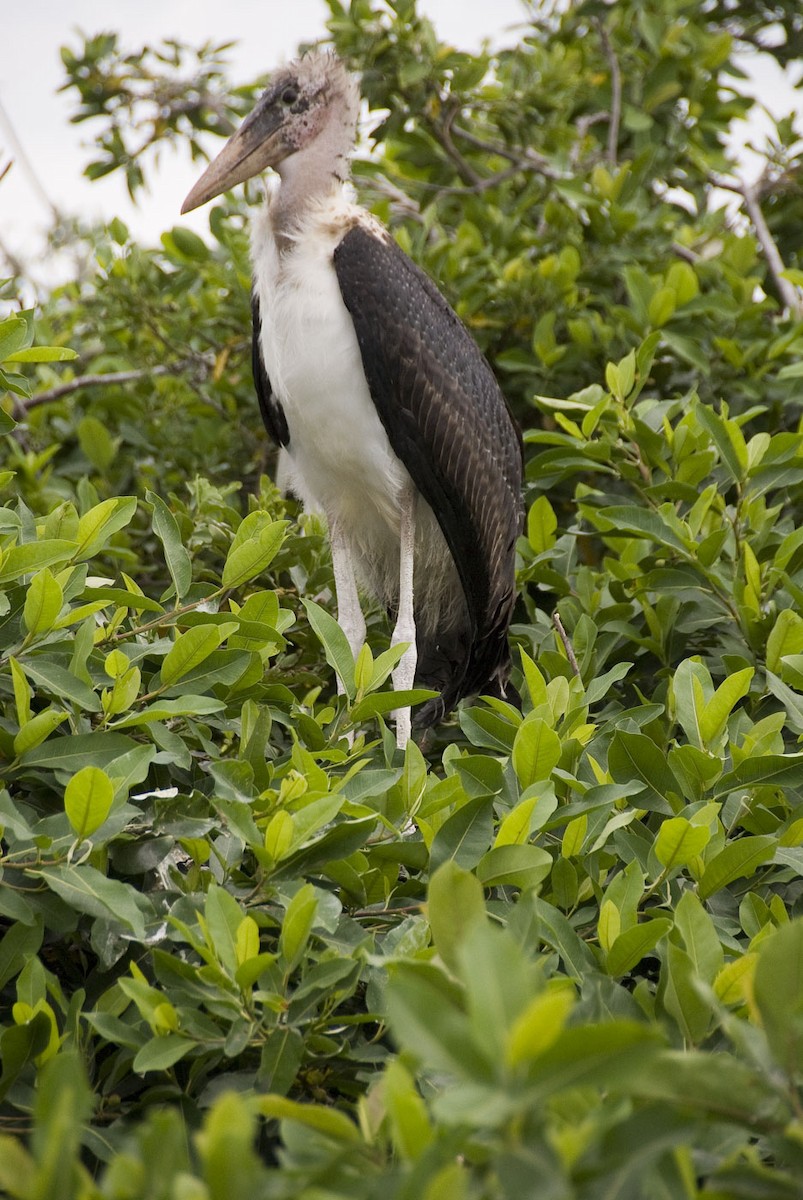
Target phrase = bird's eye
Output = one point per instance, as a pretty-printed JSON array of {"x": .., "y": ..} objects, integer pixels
[{"x": 289, "y": 95}]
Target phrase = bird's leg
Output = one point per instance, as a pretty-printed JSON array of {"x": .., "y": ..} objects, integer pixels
[
  {"x": 349, "y": 613},
  {"x": 404, "y": 631}
]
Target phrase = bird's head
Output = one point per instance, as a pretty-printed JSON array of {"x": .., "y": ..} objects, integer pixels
[{"x": 309, "y": 97}]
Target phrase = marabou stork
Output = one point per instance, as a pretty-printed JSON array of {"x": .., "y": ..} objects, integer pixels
[{"x": 390, "y": 419}]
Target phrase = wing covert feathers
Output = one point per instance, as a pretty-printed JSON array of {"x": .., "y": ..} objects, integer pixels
[
  {"x": 448, "y": 422},
  {"x": 269, "y": 406}
]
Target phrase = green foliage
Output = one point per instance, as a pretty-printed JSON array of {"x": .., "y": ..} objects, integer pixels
[{"x": 247, "y": 947}]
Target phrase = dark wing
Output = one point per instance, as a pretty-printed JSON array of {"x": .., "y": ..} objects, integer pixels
[
  {"x": 269, "y": 406},
  {"x": 448, "y": 422}
]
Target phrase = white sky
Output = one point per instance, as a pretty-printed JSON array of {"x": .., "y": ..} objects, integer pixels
[{"x": 31, "y": 72}]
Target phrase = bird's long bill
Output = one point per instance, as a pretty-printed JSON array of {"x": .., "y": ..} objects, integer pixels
[{"x": 247, "y": 152}]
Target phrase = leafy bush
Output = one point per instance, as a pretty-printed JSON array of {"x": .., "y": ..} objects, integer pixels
[{"x": 553, "y": 952}]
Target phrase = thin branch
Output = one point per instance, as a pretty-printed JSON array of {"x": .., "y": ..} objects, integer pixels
[
  {"x": 751, "y": 194},
  {"x": 524, "y": 158},
  {"x": 685, "y": 253},
  {"x": 616, "y": 93},
  {"x": 442, "y": 132},
  {"x": 114, "y": 377},
  {"x": 490, "y": 181},
  {"x": 567, "y": 645},
  {"x": 397, "y": 198},
  {"x": 789, "y": 293}
]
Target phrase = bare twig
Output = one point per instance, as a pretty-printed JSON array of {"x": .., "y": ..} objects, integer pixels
[
  {"x": 524, "y": 158},
  {"x": 616, "y": 93},
  {"x": 685, "y": 253},
  {"x": 397, "y": 198},
  {"x": 114, "y": 377},
  {"x": 567, "y": 645},
  {"x": 442, "y": 131},
  {"x": 751, "y": 194}
]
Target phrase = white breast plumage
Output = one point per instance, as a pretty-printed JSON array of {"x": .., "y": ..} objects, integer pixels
[{"x": 313, "y": 361}]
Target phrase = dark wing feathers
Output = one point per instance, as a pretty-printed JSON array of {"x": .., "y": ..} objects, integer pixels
[
  {"x": 447, "y": 420},
  {"x": 269, "y": 406}
]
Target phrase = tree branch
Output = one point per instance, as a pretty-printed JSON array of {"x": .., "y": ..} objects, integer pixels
[
  {"x": 616, "y": 93},
  {"x": 114, "y": 377},
  {"x": 442, "y": 131},
  {"x": 524, "y": 158},
  {"x": 567, "y": 645},
  {"x": 751, "y": 194}
]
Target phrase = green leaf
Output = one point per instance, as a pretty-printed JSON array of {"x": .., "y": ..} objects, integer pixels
[
  {"x": 538, "y": 1027},
  {"x": 714, "y": 716},
  {"x": 78, "y": 750},
  {"x": 88, "y": 800},
  {"x": 634, "y": 756},
  {"x": 22, "y": 692},
  {"x": 335, "y": 644},
  {"x": 699, "y": 936},
  {"x": 641, "y": 522},
  {"x": 20, "y": 1045},
  {"x": 556, "y": 931},
  {"x": 427, "y": 1022},
  {"x": 536, "y": 751},
  {"x": 248, "y": 559},
  {"x": 410, "y": 1125},
  {"x": 50, "y": 677},
  {"x": 692, "y": 688},
  {"x": 778, "y": 992},
  {"x": 98, "y": 526},
  {"x": 33, "y": 556},
  {"x": 514, "y": 866},
  {"x": 728, "y": 439},
  {"x": 531, "y": 813},
  {"x": 13, "y": 335},
  {"x": 381, "y": 703},
  {"x": 454, "y": 903},
  {"x": 38, "y": 730},
  {"x": 96, "y": 442},
  {"x": 678, "y": 842},
  {"x": 327, "y": 1121},
  {"x": 42, "y": 603},
  {"x": 88, "y": 891},
  {"x": 630, "y": 947},
  {"x": 223, "y": 917},
  {"x": 192, "y": 648},
  {"x": 764, "y": 770},
  {"x": 43, "y": 354},
  {"x": 682, "y": 999},
  {"x": 297, "y": 926},
  {"x": 161, "y": 1053},
  {"x": 738, "y": 860},
  {"x": 465, "y": 836},
  {"x": 166, "y": 529},
  {"x": 541, "y": 525},
  {"x": 167, "y": 710}
]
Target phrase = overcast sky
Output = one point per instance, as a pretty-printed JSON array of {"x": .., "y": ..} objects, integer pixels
[{"x": 266, "y": 33}]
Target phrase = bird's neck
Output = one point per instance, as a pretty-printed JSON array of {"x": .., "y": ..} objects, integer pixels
[{"x": 308, "y": 177}]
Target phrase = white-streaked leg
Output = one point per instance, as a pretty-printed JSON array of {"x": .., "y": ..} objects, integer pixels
[
  {"x": 404, "y": 631},
  {"x": 349, "y": 613}
]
